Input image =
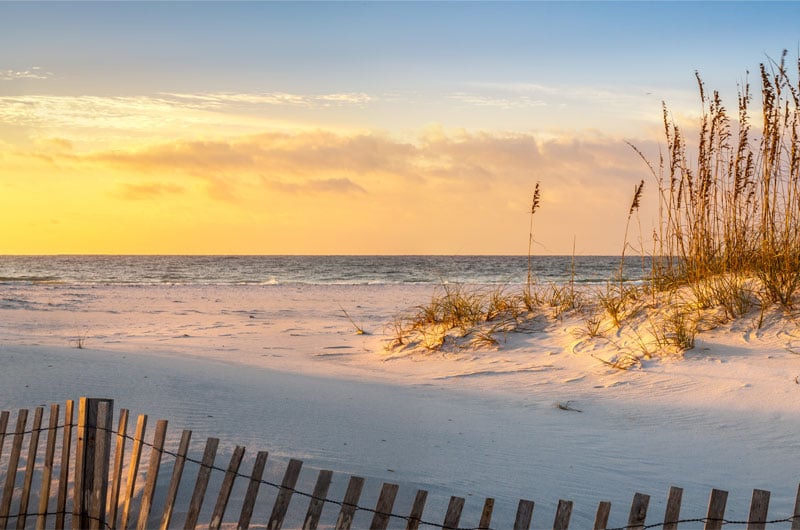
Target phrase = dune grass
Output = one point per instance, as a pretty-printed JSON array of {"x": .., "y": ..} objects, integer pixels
[
  {"x": 358, "y": 329},
  {"x": 80, "y": 340},
  {"x": 734, "y": 207},
  {"x": 727, "y": 240}
]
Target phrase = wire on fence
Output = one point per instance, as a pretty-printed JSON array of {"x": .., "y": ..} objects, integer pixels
[
  {"x": 325, "y": 500},
  {"x": 439, "y": 525},
  {"x": 60, "y": 512},
  {"x": 721, "y": 522}
]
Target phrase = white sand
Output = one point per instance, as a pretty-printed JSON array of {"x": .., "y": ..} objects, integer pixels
[{"x": 280, "y": 368}]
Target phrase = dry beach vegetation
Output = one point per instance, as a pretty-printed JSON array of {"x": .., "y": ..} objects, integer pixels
[{"x": 726, "y": 245}]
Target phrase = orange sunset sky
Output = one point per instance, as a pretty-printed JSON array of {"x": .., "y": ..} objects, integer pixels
[{"x": 350, "y": 128}]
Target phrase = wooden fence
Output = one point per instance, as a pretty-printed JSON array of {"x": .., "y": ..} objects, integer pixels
[{"x": 88, "y": 491}]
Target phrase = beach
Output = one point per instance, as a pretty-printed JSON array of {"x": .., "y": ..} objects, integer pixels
[
  {"x": 281, "y": 368},
  {"x": 509, "y": 252}
]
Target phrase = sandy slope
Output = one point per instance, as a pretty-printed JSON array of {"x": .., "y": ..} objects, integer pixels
[{"x": 280, "y": 368}]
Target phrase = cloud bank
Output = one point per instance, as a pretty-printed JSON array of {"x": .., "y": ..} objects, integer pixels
[
  {"x": 34, "y": 72},
  {"x": 388, "y": 194}
]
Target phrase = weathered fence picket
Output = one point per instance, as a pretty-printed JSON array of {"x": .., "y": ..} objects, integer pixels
[
  {"x": 252, "y": 490},
  {"x": 758, "y": 510},
  {"x": 3, "y": 425},
  {"x": 524, "y": 515},
  {"x": 673, "y": 512},
  {"x": 47, "y": 470},
  {"x": 78, "y": 512},
  {"x": 636, "y": 519},
  {"x": 796, "y": 514},
  {"x": 133, "y": 471},
  {"x": 63, "y": 476},
  {"x": 486, "y": 514},
  {"x": 96, "y": 466},
  {"x": 201, "y": 484},
  {"x": 350, "y": 503},
  {"x": 601, "y": 518},
  {"x": 417, "y": 508},
  {"x": 316, "y": 503},
  {"x": 383, "y": 510},
  {"x": 175, "y": 481},
  {"x": 119, "y": 461},
  {"x": 11, "y": 472},
  {"x": 99, "y": 500},
  {"x": 284, "y": 495},
  {"x": 453, "y": 515},
  {"x": 716, "y": 509},
  {"x": 563, "y": 514},
  {"x": 33, "y": 448},
  {"x": 156, "y": 450},
  {"x": 226, "y": 488}
]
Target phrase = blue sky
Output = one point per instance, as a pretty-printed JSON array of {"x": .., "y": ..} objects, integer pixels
[
  {"x": 567, "y": 79},
  {"x": 369, "y": 46},
  {"x": 417, "y": 52}
]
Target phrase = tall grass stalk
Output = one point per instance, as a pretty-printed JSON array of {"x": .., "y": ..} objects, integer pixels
[
  {"x": 637, "y": 197},
  {"x": 730, "y": 204},
  {"x": 534, "y": 207}
]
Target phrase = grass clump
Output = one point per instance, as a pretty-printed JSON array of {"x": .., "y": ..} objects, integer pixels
[
  {"x": 593, "y": 324},
  {"x": 461, "y": 316},
  {"x": 553, "y": 298},
  {"x": 730, "y": 204},
  {"x": 359, "y": 329},
  {"x": 731, "y": 293},
  {"x": 677, "y": 330},
  {"x": 80, "y": 340},
  {"x": 727, "y": 239},
  {"x": 617, "y": 300}
]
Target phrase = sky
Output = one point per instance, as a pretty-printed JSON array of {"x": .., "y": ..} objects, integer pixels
[{"x": 352, "y": 128}]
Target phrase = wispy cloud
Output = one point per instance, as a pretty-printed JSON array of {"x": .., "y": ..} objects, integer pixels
[
  {"x": 519, "y": 88},
  {"x": 35, "y": 72},
  {"x": 116, "y": 120},
  {"x": 558, "y": 91},
  {"x": 274, "y": 157},
  {"x": 480, "y": 100},
  {"x": 230, "y": 100},
  {"x": 628, "y": 100},
  {"x": 221, "y": 99},
  {"x": 333, "y": 185},
  {"x": 110, "y": 113},
  {"x": 149, "y": 190}
]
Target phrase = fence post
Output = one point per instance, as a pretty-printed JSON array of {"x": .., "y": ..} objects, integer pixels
[
  {"x": 63, "y": 473},
  {"x": 716, "y": 509},
  {"x": 486, "y": 514},
  {"x": 796, "y": 516},
  {"x": 757, "y": 520},
  {"x": 92, "y": 461},
  {"x": 13, "y": 462},
  {"x": 636, "y": 519},
  {"x": 563, "y": 514},
  {"x": 524, "y": 515},
  {"x": 673, "y": 512},
  {"x": 601, "y": 518}
]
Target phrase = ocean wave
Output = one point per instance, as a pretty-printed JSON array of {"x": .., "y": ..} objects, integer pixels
[
  {"x": 312, "y": 270},
  {"x": 31, "y": 279}
]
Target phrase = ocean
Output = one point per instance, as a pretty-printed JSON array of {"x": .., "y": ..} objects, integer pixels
[{"x": 314, "y": 270}]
